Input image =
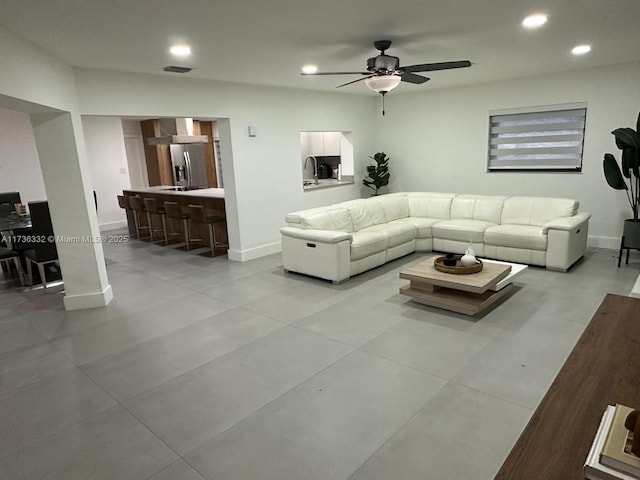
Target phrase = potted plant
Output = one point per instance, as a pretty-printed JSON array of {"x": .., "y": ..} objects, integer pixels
[
  {"x": 378, "y": 173},
  {"x": 627, "y": 140}
]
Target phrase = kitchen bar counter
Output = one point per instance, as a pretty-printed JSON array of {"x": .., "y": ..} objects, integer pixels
[
  {"x": 327, "y": 182},
  {"x": 167, "y": 190},
  {"x": 212, "y": 199}
]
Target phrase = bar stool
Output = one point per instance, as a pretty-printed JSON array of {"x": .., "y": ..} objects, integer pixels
[
  {"x": 124, "y": 204},
  {"x": 6, "y": 255},
  {"x": 196, "y": 213},
  {"x": 172, "y": 210},
  {"x": 152, "y": 208},
  {"x": 137, "y": 206}
]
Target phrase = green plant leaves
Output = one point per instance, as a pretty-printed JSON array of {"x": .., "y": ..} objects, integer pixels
[
  {"x": 378, "y": 173},
  {"x": 612, "y": 173}
]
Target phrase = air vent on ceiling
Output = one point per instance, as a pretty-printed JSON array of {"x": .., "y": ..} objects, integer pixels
[{"x": 175, "y": 69}]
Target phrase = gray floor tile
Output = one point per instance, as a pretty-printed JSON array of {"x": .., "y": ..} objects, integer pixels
[
  {"x": 351, "y": 324},
  {"x": 108, "y": 446},
  {"x": 108, "y": 337},
  {"x": 180, "y": 470},
  {"x": 434, "y": 349},
  {"x": 459, "y": 434},
  {"x": 146, "y": 365},
  {"x": 520, "y": 366},
  {"x": 18, "y": 334},
  {"x": 41, "y": 408},
  {"x": 195, "y": 407},
  {"x": 29, "y": 364},
  {"x": 325, "y": 428}
]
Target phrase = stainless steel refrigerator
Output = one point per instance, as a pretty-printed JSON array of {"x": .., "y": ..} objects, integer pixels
[{"x": 189, "y": 165}]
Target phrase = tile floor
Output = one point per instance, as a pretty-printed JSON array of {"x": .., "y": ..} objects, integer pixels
[{"x": 206, "y": 368}]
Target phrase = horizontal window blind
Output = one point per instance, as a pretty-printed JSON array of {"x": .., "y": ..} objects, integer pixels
[{"x": 546, "y": 140}]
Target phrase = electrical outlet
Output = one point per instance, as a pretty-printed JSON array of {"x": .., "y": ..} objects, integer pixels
[{"x": 123, "y": 170}]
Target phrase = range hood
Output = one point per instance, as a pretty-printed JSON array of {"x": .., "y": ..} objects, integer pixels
[{"x": 176, "y": 130}]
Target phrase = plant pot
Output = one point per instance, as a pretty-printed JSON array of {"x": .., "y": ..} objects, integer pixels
[{"x": 631, "y": 233}]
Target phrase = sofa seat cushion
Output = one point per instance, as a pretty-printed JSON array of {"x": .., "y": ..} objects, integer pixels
[
  {"x": 397, "y": 232},
  {"x": 423, "y": 225},
  {"x": 368, "y": 243},
  {"x": 516, "y": 236},
  {"x": 461, "y": 230}
]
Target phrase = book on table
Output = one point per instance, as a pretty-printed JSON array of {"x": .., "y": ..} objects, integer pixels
[
  {"x": 616, "y": 451},
  {"x": 593, "y": 468}
]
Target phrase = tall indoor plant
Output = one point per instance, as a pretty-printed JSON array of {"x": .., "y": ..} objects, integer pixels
[
  {"x": 378, "y": 173},
  {"x": 627, "y": 140}
]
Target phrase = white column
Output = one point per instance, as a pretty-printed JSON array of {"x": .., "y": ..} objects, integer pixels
[{"x": 60, "y": 145}]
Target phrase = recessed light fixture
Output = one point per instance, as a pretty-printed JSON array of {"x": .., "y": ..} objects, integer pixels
[
  {"x": 534, "y": 21},
  {"x": 581, "y": 49},
  {"x": 180, "y": 50},
  {"x": 309, "y": 69}
]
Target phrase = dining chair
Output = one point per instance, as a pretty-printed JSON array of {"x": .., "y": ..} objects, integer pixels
[
  {"x": 8, "y": 255},
  {"x": 44, "y": 251}
]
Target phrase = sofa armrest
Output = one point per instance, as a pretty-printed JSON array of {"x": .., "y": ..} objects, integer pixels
[
  {"x": 567, "y": 223},
  {"x": 322, "y": 236}
]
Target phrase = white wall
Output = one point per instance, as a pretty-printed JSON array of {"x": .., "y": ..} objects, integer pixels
[
  {"x": 104, "y": 140},
  {"x": 263, "y": 179},
  {"x": 36, "y": 83},
  {"x": 19, "y": 163},
  {"x": 437, "y": 140}
]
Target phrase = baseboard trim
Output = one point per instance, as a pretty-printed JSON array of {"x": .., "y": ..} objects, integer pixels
[
  {"x": 253, "y": 253},
  {"x": 612, "y": 243},
  {"x": 105, "y": 227},
  {"x": 88, "y": 300}
]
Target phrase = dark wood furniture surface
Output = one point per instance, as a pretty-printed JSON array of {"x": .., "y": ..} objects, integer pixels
[
  {"x": 602, "y": 369},
  {"x": 213, "y": 206}
]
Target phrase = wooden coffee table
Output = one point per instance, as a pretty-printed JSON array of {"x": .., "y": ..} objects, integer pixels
[{"x": 468, "y": 294}]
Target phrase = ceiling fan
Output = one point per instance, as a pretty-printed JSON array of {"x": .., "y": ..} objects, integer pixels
[{"x": 384, "y": 72}]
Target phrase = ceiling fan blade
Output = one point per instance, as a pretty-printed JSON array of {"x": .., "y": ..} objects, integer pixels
[
  {"x": 430, "y": 67},
  {"x": 358, "y": 80},
  {"x": 336, "y": 73},
  {"x": 413, "y": 78}
]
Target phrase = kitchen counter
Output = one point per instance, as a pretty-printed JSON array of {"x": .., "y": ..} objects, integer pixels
[
  {"x": 166, "y": 190},
  {"x": 212, "y": 199},
  {"x": 328, "y": 182}
]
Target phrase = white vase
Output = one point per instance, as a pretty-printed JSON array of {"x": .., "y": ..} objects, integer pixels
[{"x": 469, "y": 258}]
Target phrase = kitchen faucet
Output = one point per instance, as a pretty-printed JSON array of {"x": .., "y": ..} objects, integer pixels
[{"x": 315, "y": 167}]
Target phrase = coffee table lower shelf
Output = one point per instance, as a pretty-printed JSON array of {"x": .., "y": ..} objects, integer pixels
[{"x": 459, "y": 301}]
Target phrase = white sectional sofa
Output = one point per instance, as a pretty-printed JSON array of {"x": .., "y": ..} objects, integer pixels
[{"x": 342, "y": 240}]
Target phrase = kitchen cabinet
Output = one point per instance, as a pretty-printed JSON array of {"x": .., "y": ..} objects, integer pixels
[
  {"x": 320, "y": 144},
  {"x": 331, "y": 142}
]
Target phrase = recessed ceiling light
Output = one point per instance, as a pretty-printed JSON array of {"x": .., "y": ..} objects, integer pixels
[
  {"x": 180, "y": 50},
  {"x": 581, "y": 49},
  {"x": 309, "y": 69},
  {"x": 534, "y": 21}
]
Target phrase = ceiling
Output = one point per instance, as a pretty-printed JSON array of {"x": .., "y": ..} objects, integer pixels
[{"x": 268, "y": 42}]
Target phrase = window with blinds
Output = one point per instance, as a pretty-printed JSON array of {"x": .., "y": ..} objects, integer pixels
[{"x": 541, "y": 140}]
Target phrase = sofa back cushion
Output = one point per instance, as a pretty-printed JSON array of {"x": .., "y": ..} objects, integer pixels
[
  {"x": 364, "y": 213},
  {"x": 537, "y": 210},
  {"x": 430, "y": 205},
  {"x": 487, "y": 208},
  {"x": 328, "y": 218},
  {"x": 394, "y": 206}
]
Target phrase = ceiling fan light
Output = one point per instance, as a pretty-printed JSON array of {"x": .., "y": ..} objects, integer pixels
[{"x": 383, "y": 83}]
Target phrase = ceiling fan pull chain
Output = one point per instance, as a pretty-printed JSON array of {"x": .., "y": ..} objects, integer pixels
[{"x": 383, "y": 104}]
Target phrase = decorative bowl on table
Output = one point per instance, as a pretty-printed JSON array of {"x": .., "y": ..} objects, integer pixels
[{"x": 458, "y": 268}]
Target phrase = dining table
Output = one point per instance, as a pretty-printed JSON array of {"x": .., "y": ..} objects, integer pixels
[{"x": 11, "y": 228}]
